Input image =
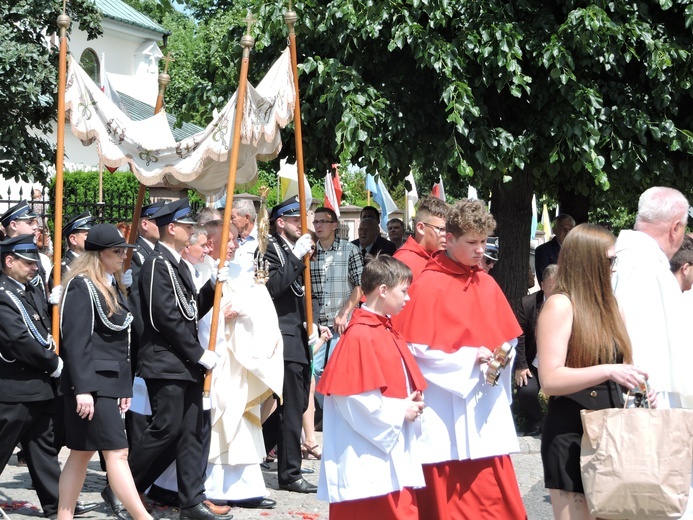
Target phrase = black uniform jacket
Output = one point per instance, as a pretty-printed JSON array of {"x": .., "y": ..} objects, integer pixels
[
  {"x": 169, "y": 347},
  {"x": 65, "y": 262},
  {"x": 285, "y": 286},
  {"x": 97, "y": 358},
  {"x": 139, "y": 255},
  {"x": 25, "y": 364}
]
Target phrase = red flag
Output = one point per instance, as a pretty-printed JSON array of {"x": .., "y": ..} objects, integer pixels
[
  {"x": 438, "y": 190},
  {"x": 333, "y": 191}
]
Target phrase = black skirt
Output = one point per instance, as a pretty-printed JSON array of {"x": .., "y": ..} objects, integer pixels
[
  {"x": 562, "y": 433},
  {"x": 105, "y": 431}
]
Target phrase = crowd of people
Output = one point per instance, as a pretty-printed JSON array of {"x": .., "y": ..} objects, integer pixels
[{"x": 410, "y": 368}]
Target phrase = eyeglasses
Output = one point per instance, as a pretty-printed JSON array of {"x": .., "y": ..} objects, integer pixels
[
  {"x": 441, "y": 229},
  {"x": 489, "y": 261},
  {"x": 119, "y": 251},
  {"x": 322, "y": 222}
]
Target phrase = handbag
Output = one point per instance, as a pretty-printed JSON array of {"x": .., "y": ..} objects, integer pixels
[{"x": 636, "y": 462}]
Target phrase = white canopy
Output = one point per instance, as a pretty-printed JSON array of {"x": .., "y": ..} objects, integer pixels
[{"x": 200, "y": 162}]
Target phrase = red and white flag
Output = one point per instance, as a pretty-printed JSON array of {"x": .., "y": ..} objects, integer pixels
[
  {"x": 333, "y": 190},
  {"x": 438, "y": 190}
]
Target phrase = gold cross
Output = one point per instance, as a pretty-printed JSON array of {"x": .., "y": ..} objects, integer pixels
[
  {"x": 249, "y": 20},
  {"x": 167, "y": 59}
]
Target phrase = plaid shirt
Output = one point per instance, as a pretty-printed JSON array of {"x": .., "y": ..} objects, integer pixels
[{"x": 334, "y": 273}]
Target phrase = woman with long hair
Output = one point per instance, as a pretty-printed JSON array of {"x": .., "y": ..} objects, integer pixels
[
  {"x": 584, "y": 359},
  {"x": 97, "y": 380}
]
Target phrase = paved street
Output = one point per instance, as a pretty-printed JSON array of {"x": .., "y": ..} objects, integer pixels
[{"x": 20, "y": 502}]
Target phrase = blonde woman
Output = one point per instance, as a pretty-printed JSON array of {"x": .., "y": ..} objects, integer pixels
[
  {"x": 584, "y": 359},
  {"x": 97, "y": 382}
]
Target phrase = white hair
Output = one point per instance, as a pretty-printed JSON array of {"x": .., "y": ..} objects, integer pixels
[
  {"x": 245, "y": 207},
  {"x": 660, "y": 205}
]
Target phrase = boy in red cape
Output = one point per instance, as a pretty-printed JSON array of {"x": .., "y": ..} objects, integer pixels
[
  {"x": 373, "y": 404},
  {"x": 456, "y": 319}
]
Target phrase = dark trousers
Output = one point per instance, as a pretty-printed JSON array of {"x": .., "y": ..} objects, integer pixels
[
  {"x": 176, "y": 422},
  {"x": 38, "y": 426},
  {"x": 284, "y": 426},
  {"x": 528, "y": 397}
]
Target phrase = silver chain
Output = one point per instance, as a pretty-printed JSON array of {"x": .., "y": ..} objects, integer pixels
[
  {"x": 188, "y": 309},
  {"x": 99, "y": 309},
  {"x": 46, "y": 342}
]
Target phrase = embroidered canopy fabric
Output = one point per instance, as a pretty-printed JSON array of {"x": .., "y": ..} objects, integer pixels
[{"x": 201, "y": 161}]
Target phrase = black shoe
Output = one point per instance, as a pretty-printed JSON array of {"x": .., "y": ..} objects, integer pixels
[
  {"x": 265, "y": 466},
  {"x": 201, "y": 512},
  {"x": 163, "y": 496},
  {"x": 116, "y": 505},
  {"x": 254, "y": 503},
  {"x": 299, "y": 486},
  {"x": 84, "y": 507}
]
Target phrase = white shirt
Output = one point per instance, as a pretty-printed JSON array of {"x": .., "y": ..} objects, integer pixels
[{"x": 245, "y": 255}]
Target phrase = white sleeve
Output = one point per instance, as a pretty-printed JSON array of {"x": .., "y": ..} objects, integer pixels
[{"x": 376, "y": 418}]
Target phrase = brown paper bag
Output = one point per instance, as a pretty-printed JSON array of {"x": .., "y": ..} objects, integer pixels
[{"x": 636, "y": 462}]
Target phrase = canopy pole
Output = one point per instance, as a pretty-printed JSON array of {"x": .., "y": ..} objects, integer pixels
[
  {"x": 247, "y": 42},
  {"x": 164, "y": 80},
  {"x": 290, "y": 18},
  {"x": 63, "y": 24}
]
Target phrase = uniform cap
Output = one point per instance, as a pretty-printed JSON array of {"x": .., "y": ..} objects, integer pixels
[
  {"x": 21, "y": 211},
  {"x": 289, "y": 208},
  {"x": 83, "y": 222},
  {"x": 150, "y": 209},
  {"x": 22, "y": 246},
  {"x": 492, "y": 248},
  {"x": 177, "y": 211},
  {"x": 104, "y": 236}
]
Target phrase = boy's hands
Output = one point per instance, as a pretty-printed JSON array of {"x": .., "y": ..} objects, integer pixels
[{"x": 415, "y": 406}]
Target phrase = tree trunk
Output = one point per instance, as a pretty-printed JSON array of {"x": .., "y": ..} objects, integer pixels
[{"x": 511, "y": 207}]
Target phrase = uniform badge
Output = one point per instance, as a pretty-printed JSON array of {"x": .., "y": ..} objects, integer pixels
[{"x": 36, "y": 317}]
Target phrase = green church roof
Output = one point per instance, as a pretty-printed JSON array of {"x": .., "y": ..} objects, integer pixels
[{"x": 121, "y": 12}]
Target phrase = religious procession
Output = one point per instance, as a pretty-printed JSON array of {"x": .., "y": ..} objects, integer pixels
[{"x": 220, "y": 356}]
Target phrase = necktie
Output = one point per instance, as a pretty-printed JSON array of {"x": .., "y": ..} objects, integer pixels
[{"x": 364, "y": 252}]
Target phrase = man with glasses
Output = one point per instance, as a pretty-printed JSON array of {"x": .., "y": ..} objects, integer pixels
[
  {"x": 490, "y": 254},
  {"x": 429, "y": 234},
  {"x": 173, "y": 364}
]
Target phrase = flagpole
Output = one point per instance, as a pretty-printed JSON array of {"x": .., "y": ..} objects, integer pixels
[
  {"x": 247, "y": 42},
  {"x": 63, "y": 24},
  {"x": 290, "y": 18},
  {"x": 164, "y": 80}
]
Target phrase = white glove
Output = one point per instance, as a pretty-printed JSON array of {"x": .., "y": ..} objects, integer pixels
[
  {"x": 127, "y": 278},
  {"x": 56, "y": 295},
  {"x": 303, "y": 246},
  {"x": 209, "y": 359},
  {"x": 314, "y": 336},
  {"x": 59, "y": 370},
  {"x": 220, "y": 274}
]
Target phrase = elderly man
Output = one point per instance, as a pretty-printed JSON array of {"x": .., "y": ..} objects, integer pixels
[
  {"x": 429, "y": 234},
  {"x": 368, "y": 243},
  {"x": 650, "y": 297},
  {"x": 547, "y": 254},
  {"x": 243, "y": 216},
  {"x": 195, "y": 253}
]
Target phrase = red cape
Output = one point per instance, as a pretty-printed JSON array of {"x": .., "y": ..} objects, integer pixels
[
  {"x": 369, "y": 357},
  {"x": 455, "y": 306},
  {"x": 412, "y": 254}
]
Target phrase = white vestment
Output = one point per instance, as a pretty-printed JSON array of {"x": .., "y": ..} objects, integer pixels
[
  {"x": 465, "y": 418},
  {"x": 651, "y": 301},
  {"x": 371, "y": 448},
  {"x": 250, "y": 369}
]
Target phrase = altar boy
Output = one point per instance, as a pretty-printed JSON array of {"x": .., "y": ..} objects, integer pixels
[{"x": 373, "y": 401}]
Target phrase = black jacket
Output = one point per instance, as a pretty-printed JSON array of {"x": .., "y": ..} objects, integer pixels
[
  {"x": 286, "y": 287},
  {"x": 97, "y": 358},
  {"x": 169, "y": 348},
  {"x": 381, "y": 245},
  {"x": 545, "y": 255},
  {"x": 527, "y": 314},
  {"x": 26, "y": 364},
  {"x": 139, "y": 255}
]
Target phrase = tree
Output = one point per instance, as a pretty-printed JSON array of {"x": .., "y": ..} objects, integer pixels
[
  {"x": 572, "y": 99},
  {"x": 28, "y": 92}
]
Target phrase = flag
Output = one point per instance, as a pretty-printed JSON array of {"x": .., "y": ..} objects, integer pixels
[
  {"x": 533, "y": 230},
  {"x": 546, "y": 223},
  {"x": 412, "y": 199},
  {"x": 438, "y": 190},
  {"x": 288, "y": 182},
  {"x": 333, "y": 190},
  {"x": 471, "y": 192},
  {"x": 382, "y": 197},
  {"x": 108, "y": 89}
]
